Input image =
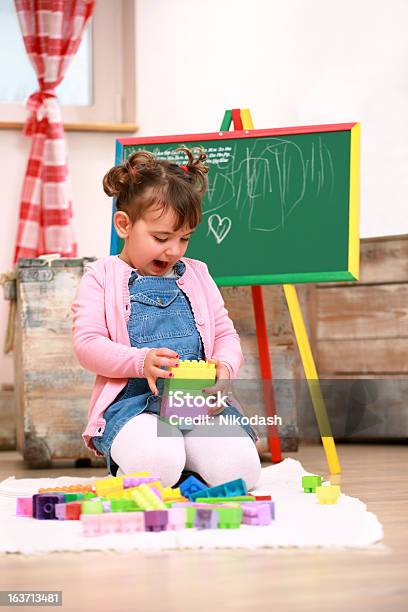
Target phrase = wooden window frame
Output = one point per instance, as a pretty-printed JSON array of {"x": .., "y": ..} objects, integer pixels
[{"x": 114, "y": 76}]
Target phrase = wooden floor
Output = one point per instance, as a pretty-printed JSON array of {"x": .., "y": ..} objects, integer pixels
[{"x": 280, "y": 580}]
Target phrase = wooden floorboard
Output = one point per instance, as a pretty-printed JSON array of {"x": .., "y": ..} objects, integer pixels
[{"x": 287, "y": 579}]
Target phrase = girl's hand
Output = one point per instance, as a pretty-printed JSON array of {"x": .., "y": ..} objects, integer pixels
[
  {"x": 152, "y": 370},
  {"x": 222, "y": 384}
]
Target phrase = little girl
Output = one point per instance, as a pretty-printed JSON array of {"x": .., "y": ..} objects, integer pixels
[{"x": 138, "y": 313}]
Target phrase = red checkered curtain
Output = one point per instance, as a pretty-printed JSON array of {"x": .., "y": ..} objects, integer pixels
[{"x": 52, "y": 32}]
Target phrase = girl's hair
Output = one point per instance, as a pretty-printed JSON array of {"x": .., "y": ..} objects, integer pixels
[{"x": 144, "y": 181}]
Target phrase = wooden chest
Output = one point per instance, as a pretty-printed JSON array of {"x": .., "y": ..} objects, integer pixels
[
  {"x": 360, "y": 340},
  {"x": 52, "y": 389}
]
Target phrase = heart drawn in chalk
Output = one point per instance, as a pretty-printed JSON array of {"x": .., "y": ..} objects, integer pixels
[{"x": 219, "y": 227}]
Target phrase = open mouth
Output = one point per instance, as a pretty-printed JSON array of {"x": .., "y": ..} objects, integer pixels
[{"x": 160, "y": 265}]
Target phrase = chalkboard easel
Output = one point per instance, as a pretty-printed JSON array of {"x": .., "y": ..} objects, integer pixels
[
  {"x": 243, "y": 121},
  {"x": 282, "y": 207}
]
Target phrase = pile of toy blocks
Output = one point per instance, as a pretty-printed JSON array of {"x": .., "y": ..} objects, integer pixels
[
  {"x": 325, "y": 494},
  {"x": 139, "y": 502}
]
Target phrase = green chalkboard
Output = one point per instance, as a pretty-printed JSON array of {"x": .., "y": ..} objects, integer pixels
[{"x": 280, "y": 207}]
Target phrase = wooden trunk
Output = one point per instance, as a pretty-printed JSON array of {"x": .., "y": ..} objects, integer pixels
[
  {"x": 7, "y": 418},
  {"x": 52, "y": 389},
  {"x": 360, "y": 340}
]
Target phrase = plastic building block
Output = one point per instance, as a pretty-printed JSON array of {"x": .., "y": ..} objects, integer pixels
[
  {"x": 190, "y": 516},
  {"x": 24, "y": 506},
  {"x": 191, "y": 485},
  {"x": 229, "y": 518},
  {"x": 90, "y": 495},
  {"x": 261, "y": 497},
  {"x": 194, "y": 370},
  {"x": 123, "y": 505},
  {"x": 73, "y": 511},
  {"x": 147, "y": 499},
  {"x": 92, "y": 507},
  {"x": 45, "y": 505},
  {"x": 206, "y": 518},
  {"x": 61, "y": 512},
  {"x": 176, "y": 518},
  {"x": 109, "y": 486},
  {"x": 133, "y": 481},
  {"x": 256, "y": 514},
  {"x": 69, "y": 489},
  {"x": 227, "y": 489},
  {"x": 70, "y": 497},
  {"x": 132, "y": 521},
  {"x": 220, "y": 500},
  {"x": 309, "y": 483},
  {"x": 91, "y": 525},
  {"x": 328, "y": 494},
  {"x": 156, "y": 520},
  {"x": 105, "y": 524}
]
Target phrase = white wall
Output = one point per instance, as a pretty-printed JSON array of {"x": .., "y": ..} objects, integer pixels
[{"x": 295, "y": 62}]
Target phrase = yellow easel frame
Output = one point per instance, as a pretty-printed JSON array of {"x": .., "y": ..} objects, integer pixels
[{"x": 294, "y": 307}]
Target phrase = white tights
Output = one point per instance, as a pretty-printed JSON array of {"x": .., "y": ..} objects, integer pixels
[{"x": 217, "y": 458}]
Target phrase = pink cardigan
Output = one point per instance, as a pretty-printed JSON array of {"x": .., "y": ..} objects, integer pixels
[{"x": 101, "y": 343}]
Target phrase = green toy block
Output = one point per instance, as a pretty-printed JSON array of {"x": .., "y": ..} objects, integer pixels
[
  {"x": 190, "y": 517},
  {"x": 91, "y": 507},
  {"x": 123, "y": 505},
  {"x": 309, "y": 483},
  {"x": 229, "y": 518},
  {"x": 89, "y": 495},
  {"x": 217, "y": 500},
  {"x": 70, "y": 497}
]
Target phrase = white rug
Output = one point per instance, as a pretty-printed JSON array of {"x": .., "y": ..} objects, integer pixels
[{"x": 300, "y": 522}]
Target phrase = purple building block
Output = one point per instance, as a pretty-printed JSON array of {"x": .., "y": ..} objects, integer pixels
[
  {"x": 24, "y": 506},
  {"x": 61, "y": 512},
  {"x": 206, "y": 518},
  {"x": 45, "y": 505},
  {"x": 132, "y": 481},
  {"x": 155, "y": 520}
]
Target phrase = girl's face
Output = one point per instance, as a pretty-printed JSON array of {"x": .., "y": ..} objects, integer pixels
[{"x": 152, "y": 246}]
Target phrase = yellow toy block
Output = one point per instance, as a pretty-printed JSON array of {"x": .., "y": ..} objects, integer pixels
[
  {"x": 328, "y": 494},
  {"x": 193, "y": 369},
  {"x": 146, "y": 499},
  {"x": 169, "y": 494},
  {"x": 108, "y": 486}
]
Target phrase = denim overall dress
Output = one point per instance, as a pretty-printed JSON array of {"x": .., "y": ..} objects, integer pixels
[{"x": 161, "y": 316}]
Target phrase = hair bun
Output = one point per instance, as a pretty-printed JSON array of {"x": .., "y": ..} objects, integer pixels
[{"x": 116, "y": 181}]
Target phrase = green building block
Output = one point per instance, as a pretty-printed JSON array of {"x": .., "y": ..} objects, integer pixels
[
  {"x": 91, "y": 507},
  {"x": 229, "y": 518},
  {"x": 70, "y": 497},
  {"x": 123, "y": 505},
  {"x": 309, "y": 483},
  {"x": 217, "y": 500},
  {"x": 89, "y": 495},
  {"x": 190, "y": 517}
]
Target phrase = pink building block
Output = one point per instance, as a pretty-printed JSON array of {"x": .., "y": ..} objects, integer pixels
[
  {"x": 176, "y": 519},
  {"x": 24, "y": 506},
  {"x": 131, "y": 521},
  {"x": 90, "y": 525},
  {"x": 61, "y": 511},
  {"x": 259, "y": 514}
]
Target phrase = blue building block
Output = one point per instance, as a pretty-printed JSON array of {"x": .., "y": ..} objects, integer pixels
[
  {"x": 191, "y": 485},
  {"x": 227, "y": 489}
]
